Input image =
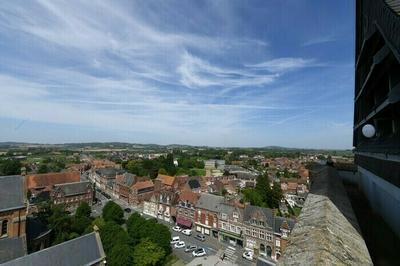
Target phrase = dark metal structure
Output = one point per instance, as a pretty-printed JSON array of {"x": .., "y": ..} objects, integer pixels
[{"x": 377, "y": 102}]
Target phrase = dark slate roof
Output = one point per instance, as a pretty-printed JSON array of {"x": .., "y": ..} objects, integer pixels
[
  {"x": 210, "y": 202},
  {"x": 280, "y": 220},
  {"x": 11, "y": 248},
  {"x": 12, "y": 194},
  {"x": 84, "y": 250},
  {"x": 129, "y": 179},
  {"x": 109, "y": 172},
  {"x": 250, "y": 210},
  {"x": 194, "y": 183},
  {"x": 76, "y": 188},
  {"x": 35, "y": 228}
]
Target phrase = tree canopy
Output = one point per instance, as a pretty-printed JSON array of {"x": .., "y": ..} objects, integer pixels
[
  {"x": 113, "y": 212},
  {"x": 10, "y": 167},
  {"x": 148, "y": 253},
  {"x": 263, "y": 195}
]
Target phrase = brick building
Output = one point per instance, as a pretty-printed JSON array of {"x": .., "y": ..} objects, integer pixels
[
  {"x": 141, "y": 191},
  {"x": 12, "y": 218},
  {"x": 72, "y": 194},
  {"x": 230, "y": 224},
  {"x": 206, "y": 215},
  {"x": 265, "y": 233},
  {"x": 123, "y": 184},
  {"x": 40, "y": 185},
  {"x": 185, "y": 209},
  {"x": 165, "y": 182}
]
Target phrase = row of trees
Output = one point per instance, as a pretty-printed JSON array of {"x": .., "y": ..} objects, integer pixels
[
  {"x": 263, "y": 195},
  {"x": 165, "y": 165},
  {"x": 144, "y": 242},
  {"x": 151, "y": 168}
]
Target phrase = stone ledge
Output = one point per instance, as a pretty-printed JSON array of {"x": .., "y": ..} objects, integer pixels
[{"x": 327, "y": 230}]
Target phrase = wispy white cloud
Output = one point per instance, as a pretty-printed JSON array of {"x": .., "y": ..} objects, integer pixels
[
  {"x": 284, "y": 64},
  {"x": 198, "y": 73},
  {"x": 319, "y": 40}
]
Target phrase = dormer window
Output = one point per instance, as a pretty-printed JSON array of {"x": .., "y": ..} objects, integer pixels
[
  {"x": 261, "y": 223},
  {"x": 235, "y": 215},
  {"x": 224, "y": 216}
]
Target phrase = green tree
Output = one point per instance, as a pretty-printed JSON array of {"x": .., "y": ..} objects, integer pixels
[
  {"x": 262, "y": 185},
  {"x": 45, "y": 212},
  {"x": 148, "y": 253},
  {"x": 113, "y": 234},
  {"x": 120, "y": 255},
  {"x": 158, "y": 233},
  {"x": 60, "y": 223},
  {"x": 43, "y": 169},
  {"x": 10, "y": 167},
  {"x": 80, "y": 224},
  {"x": 140, "y": 228},
  {"x": 276, "y": 195},
  {"x": 113, "y": 212},
  {"x": 136, "y": 227},
  {"x": 83, "y": 210},
  {"x": 252, "y": 196},
  {"x": 162, "y": 171},
  {"x": 98, "y": 222}
]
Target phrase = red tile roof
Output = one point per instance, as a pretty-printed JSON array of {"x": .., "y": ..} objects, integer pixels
[
  {"x": 143, "y": 184},
  {"x": 50, "y": 179},
  {"x": 166, "y": 179},
  {"x": 189, "y": 196}
]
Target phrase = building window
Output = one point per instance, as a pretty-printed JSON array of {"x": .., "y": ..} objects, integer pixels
[
  {"x": 232, "y": 228},
  {"x": 4, "y": 228},
  {"x": 277, "y": 243},
  {"x": 223, "y": 225},
  {"x": 238, "y": 230},
  {"x": 247, "y": 231},
  {"x": 254, "y": 233},
  {"x": 262, "y": 235},
  {"x": 224, "y": 216},
  {"x": 235, "y": 215}
]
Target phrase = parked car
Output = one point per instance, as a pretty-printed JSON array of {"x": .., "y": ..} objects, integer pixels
[
  {"x": 200, "y": 237},
  {"x": 187, "y": 232},
  {"x": 190, "y": 248},
  {"x": 175, "y": 240},
  {"x": 128, "y": 210},
  {"x": 248, "y": 255},
  {"x": 199, "y": 252},
  {"x": 176, "y": 228},
  {"x": 180, "y": 244}
]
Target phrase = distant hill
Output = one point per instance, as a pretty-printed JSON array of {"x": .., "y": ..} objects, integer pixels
[{"x": 125, "y": 145}]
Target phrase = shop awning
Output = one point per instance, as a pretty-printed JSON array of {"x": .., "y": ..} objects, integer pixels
[
  {"x": 230, "y": 234},
  {"x": 184, "y": 222}
]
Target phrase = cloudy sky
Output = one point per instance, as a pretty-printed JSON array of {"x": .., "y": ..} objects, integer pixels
[{"x": 218, "y": 73}]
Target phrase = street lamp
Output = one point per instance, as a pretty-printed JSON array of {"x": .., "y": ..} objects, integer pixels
[{"x": 368, "y": 131}]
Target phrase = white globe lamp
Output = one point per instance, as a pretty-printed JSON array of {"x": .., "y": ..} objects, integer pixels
[{"x": 368, "y": 131}]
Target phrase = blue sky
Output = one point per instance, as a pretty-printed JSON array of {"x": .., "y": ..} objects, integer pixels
[{"x": 218, "y": 73}]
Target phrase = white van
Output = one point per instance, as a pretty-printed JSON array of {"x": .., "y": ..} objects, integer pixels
[{"x": 175, "y": 239}]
